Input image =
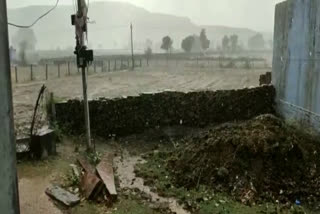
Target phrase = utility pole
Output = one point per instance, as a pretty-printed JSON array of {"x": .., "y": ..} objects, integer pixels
[
  {"x": 84, "y": 57},
  {"x": 132, "y": 55},
  {"x": 9, "y": 196}
]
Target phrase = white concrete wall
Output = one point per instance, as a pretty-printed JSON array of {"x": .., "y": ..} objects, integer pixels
[{"x": 296, "y": 60}]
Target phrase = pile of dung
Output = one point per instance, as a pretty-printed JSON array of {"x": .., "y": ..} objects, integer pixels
[{"x": 262, "y": 159}]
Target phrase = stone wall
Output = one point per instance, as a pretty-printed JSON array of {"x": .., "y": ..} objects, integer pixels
[{"x": 125, "y": 116}]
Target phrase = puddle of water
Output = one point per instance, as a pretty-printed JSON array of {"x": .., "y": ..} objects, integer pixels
[{"x": 128, "y": 179}]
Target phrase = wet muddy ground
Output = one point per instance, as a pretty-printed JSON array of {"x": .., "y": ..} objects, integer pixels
[
  {"x": 128, "y": 179},
  {"x": 35, "y": 177}
]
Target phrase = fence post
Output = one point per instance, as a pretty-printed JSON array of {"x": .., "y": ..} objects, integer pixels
[
  {"x": 121, "y": 63},
  {"x": 46, "y": 71},
  {"x": 16, "y": 73},
  {"x": 102, "y": 66},
  {"x": 140, "y": 62},
  {"x": 95, "y": 67},
  {"x": 59, "y": 70},
  {"x": 109, "y": 66},
  {"x": 115, "y": 65},
  {"x": 31, "y": 72},
  {"x": 148, "y": 61},
  {"x": 128, "y": 63},
  {"x": 69, "y": 74},
  {"x": 53, "y": 108}
]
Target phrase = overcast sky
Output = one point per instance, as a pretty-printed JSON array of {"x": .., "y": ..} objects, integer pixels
[{"x": 255, "y": 14}]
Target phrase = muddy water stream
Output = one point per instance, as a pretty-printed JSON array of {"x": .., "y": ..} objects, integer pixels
[{"x": 128, "y": 179}]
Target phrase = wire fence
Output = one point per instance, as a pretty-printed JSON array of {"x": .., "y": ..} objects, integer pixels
[{"x": 54, "y": 70}]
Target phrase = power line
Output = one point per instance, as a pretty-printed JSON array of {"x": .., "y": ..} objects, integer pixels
[{"x": 38, "y": 19}]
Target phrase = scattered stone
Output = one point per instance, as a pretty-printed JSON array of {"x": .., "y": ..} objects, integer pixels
[
  {"x": 223, "y": 172},
  {"x": 63, "y": 196}
]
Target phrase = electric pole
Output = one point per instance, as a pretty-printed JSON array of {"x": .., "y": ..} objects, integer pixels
[
  {"x": 132, "y": 55},
  {"x": 84, "y": 57},
  {"x": 9, "y": 197}
]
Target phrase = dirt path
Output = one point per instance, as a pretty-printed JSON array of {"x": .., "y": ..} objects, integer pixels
[
  {"x": 35, "y": 177},
  {"x": 33, "y": 198},
  {"x": 125, "y": 171}
]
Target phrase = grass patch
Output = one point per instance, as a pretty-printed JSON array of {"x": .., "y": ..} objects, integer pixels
[
  {"x": 86, "y": 208},
  {"x": 133, "y": 206}
]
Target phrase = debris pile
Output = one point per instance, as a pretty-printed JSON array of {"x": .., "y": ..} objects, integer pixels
[
  {"x": 262, "y": 159},
  {"x": 265, "y": 79},
  {"x": 98, "y": 183},
  {"x": 132, "y": 115},
  {"x": 92, "y": 183}
]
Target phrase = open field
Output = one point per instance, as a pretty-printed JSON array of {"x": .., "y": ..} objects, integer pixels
[{"x": 130, "y": 83}]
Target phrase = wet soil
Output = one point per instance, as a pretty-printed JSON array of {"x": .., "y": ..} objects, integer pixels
[{"x": 125, "y": 171}]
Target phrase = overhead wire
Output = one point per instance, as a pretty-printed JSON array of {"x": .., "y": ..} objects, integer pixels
[{"x": 36, "y": 21}]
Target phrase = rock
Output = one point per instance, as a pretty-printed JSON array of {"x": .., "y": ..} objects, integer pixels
[
  {"x": 76, "y": 190},
  {"x": 63, "y": 196},
  {"x": 223, "y": 172}
]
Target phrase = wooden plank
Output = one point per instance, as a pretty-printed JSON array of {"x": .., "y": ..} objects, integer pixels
[
  {"x": 105, "y": 171},
  {"x": 62, "y": 196}
]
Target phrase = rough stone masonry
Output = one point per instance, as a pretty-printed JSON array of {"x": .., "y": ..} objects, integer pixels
[{"x": 132, "y": 115}]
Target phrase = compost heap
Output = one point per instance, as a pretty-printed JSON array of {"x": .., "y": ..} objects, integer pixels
[{"x": 258, "y": 160}]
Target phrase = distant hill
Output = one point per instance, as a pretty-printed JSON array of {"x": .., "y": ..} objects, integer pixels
[{"x": 110, "y": 29}]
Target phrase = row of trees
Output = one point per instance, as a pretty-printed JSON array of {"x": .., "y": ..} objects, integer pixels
[
  {"x": 195, "y": 43},
  {"x": 230, "y": 43},
  {"x": 188, "y": 43},
  {"x": 256, "y": 42}
]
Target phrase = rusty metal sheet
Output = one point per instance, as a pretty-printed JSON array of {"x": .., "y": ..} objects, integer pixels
[
  {"x": 86, "y": 165},
  {"x": 105, "y": 171},
  {"x": 91, "y": 185}
]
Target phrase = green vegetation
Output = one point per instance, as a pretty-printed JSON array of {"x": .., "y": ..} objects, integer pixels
[
  {"x": 86, "y": 208},
  {"x": 94, "y": 157},
  {"x": 133, "y": 206}
]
